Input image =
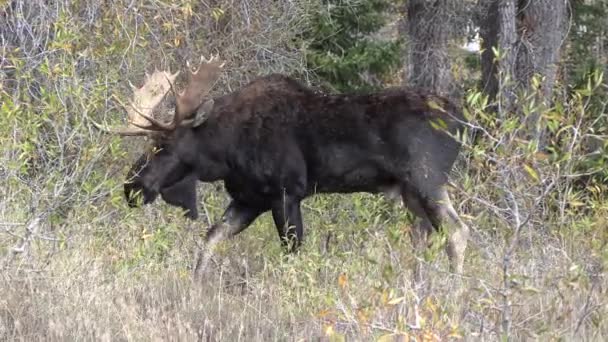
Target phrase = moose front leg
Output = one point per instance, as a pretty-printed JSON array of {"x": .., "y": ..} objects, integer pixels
[
  {"x": 236, "y": 218},
  {"x": 288, "y": 219}
]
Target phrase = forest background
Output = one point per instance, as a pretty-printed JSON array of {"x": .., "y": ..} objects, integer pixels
[{"x": 532, "y": 182}]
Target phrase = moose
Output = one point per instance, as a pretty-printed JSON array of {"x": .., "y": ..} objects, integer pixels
[{"x": 274, "y": 142}]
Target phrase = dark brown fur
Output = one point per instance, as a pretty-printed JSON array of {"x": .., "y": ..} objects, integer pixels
[{"x": 275, "y": 142}]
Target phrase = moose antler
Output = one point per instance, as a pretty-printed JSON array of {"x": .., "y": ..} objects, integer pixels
[
  {"x": 156, "y": 86},
  {"x": 187, "y": 101},
  {"x": 145, "y": 100},
  {"x": 201, "y": 82}
]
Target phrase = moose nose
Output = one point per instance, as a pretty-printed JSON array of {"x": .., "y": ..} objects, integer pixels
[{"x": 136, "y": 194}]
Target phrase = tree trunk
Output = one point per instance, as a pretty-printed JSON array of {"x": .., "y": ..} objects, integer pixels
[
  {"x": 498, "y": 30},
  {"x": 529, "y": 35},
  {"x": 542, "y": 26},
  {"x": 428, "y": 29}
]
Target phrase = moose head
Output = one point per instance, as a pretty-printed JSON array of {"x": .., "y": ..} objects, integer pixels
[{"x": 150, "y": 114}]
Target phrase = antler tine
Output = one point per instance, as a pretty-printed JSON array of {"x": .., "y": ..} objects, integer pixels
[
  {"x": 200, "y": 83},
  {"x": 156, "y": 125},
  {"x": 214, "y": 58},
  {"x": 148, "y": 97},
  {"x": 133, "y": 114},
  {"x": 141, "y": 107},
  {"x": 124, "y": 131}
]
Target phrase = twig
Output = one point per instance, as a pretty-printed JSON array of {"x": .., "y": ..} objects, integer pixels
[
  {"x": 30, "y": 231},
  {"x": 586, "y": 311},
  {"x": 11, "y": 224}
]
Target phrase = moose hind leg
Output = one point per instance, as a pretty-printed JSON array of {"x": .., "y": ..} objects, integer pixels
[
  {"x": 236, "y": 218},
  {"x": 420, "y": 232},
  {"x": 443, "y": 216}
]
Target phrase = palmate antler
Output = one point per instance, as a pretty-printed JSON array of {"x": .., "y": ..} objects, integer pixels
[{"x": 141, "y": 109}]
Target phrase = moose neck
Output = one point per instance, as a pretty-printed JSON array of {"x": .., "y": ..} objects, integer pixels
[{"x": 209, "y": 160}]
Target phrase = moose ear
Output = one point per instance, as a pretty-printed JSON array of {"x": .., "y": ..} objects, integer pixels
[{"x": 202, "y": 112}]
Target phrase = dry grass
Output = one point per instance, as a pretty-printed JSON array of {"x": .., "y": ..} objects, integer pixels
[{"x": 129, "y": 286}]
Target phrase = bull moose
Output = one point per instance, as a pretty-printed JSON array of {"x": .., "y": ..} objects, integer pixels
[{"x": 275, "y": 142}]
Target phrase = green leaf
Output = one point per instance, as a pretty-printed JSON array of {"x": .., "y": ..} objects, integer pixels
[{"x": 531, "y": 172}]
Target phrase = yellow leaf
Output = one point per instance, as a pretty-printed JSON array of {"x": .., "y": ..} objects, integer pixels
[
  {"x": 439, "y": 124},
  {"x": 362, "y": 317},
  {"x": 454, "y": 332},
  {"x": 145, "y": 235},
  {"x": 384, "y": 297},
  {"x": 217, "y": 13},
  {"x": 430, "y": 305},
  {"x": 575, "y": 203},
  {"x": 429, "y": 335},
  {"x": 435, "y": 105},
  {"x": 342, "y": 280},
  {"x": 455, "y": 335},
  {"x": 323, "y": 313},
  {"x": 329, "y": 330},
  {"x": 530, "y": 289},
  {"x": 187, "y": 10},
  {"x": 386, "y": 338},
  {"x": 531, "y": 172},
  {"x": 184, "y": 273},
  {"x": 541, "y": 155},
  {"x": 396, "y": 301}
]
